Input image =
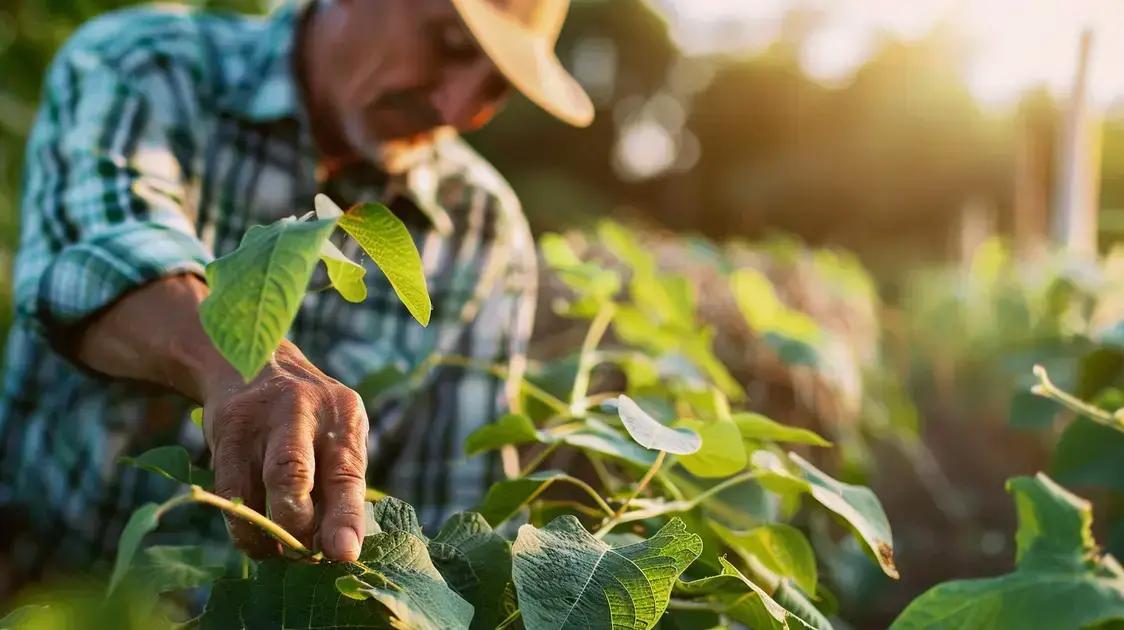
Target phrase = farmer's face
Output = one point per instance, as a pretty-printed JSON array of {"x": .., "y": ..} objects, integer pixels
[{"x": 401, "y": 68}]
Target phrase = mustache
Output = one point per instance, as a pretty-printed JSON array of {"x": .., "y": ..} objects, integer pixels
[{"x": 412, "y": 105}]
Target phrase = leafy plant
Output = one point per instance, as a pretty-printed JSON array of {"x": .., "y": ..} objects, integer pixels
[
  {"x": 659, "y": 530},
  {"x": 1060, "y": 581}
]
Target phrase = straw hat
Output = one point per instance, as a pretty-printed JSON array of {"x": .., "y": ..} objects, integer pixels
[{"x": 519, "y": 36}]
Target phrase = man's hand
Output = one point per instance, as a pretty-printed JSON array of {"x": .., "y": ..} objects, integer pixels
[{"x": 293, "y": 441}]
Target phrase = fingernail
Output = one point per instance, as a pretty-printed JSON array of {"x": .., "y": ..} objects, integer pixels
[{"x": 347, "y": 543}]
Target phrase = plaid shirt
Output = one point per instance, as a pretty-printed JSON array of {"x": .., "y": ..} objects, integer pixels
[{"x": 164, "y": 134}]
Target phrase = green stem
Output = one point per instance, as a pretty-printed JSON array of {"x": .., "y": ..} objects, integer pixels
[
  {"x": 590, "y": 491},
  {"x": 607, "y": 481},
  {"x": 588, "y": 357},
  {"x": 538, "y": 460},
  {"x": 613, "y": 520},
  {"x": 732, "y": 481},
  {"x": 1047, "y": 389},
  {"x": 510, "y": 620},
  {"x": 250, "y": 515}
]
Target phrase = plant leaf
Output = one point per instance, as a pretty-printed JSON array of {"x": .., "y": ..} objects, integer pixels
[
  {"x": 1055, "y": 526},
  {"x": 856, "y": 505},
  {"x": 396, "y": 585},
  {"x": 1058, "y": 601},
  {"x": 512, "y": 428},
  {"x": 476, "y": 563},
  {"x": 1088, "y": 455},
  {"x": 566, "y": 578},
  {"x": 741, "y": 599},
  {"x": 722, "y": 453},
  {"x": 163, "y": 569},
  {"x": 649, "y": 433},
  {"x": 172, "y": 462},
  {"x": 387, "y": 241},
  {"x": 754, "y": 426},
  {"x": 506, "y": 497},
  {"x": 257, "y": 289},
  {"x": 395, "y": 515},
  {"x": 143, "y": 520},
  {"x": 599, "y": 437},
  {"x": 345, "y": 274},
  {"x": 1059, "y": 581},
  {"x": 782, "y": 548}
]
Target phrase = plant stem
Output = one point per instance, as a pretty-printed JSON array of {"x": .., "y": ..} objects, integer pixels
[
  {"x": 683, "y": 604},
  {"x": 644, "y": 481},
  {"x": 247, "y": 513},
  {"x": 732, "y": 481},
  {"x": 510, "y": 620},
  {"x": 538, "y": 460},
  {"x": 606, "y": 479},
  {"x": 1047, "y": 389},
  {"x": 612, "y": 521},
  {"x": 588, "y": 357},
  {"x": 590, "y": 491}
]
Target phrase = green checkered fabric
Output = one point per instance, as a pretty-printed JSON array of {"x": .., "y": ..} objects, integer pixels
[{"x": 163, "y": 135}]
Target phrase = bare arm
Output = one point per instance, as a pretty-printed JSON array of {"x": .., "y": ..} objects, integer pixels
[{"x": 293, "y": 440}]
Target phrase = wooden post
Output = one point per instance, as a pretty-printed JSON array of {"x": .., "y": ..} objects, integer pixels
[{"x": 1075, "y": 224}]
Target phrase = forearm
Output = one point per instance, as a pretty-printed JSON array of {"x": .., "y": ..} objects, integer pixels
[{"x": 153, "y": 334}]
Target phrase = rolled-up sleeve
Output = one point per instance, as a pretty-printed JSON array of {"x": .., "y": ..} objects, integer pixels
[{"x": 105, "y": 201}]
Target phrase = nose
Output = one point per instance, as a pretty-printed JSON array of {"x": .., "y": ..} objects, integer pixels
[{"x": 470, "y": 95}]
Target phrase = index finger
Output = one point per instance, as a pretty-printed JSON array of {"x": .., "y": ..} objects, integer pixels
[{"x": 341, "y": 477}]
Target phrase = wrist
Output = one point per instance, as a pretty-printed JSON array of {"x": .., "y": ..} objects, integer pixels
[{"x": 188, "y": 361}]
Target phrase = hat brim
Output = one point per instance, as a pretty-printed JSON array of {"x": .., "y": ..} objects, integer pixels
[{"x": 528, "y": 61}]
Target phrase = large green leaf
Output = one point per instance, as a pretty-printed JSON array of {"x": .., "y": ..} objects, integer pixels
[
  {"x": 754, "y": 426},
  {"x": 782, "y": 548},
  {"x": 387, "y": 241},
  {"x": 1053, "y": 601},
  {"x": 393, "y": 584},
  {"x": 740, "y": 598},
  {"x": 722, "y": 453},
  {"x": 143, "y": 520},
  {"x": 856, "y": 505},
  {"x": 476, "y": 563},
  {"x": 566, "y": 578},
  {"x": 1059, "y": 582},
  {"x": 650, "y": 433},
  {"x": 172, "y": 462},
  {"x": 257, "y": 289},
  {"x": 512, "y": 428}
]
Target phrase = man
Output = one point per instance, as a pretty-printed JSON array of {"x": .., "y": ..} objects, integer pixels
[{"x": 163, "y": 136}]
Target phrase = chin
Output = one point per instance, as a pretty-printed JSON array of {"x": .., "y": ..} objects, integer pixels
[{"x": 398, "y": 154}]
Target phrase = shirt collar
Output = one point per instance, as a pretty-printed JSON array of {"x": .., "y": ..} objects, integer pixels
[{"x": 263, "y": 84}]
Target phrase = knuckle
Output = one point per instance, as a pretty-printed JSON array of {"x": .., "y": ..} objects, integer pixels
[{"x": 291, "y": 471}]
